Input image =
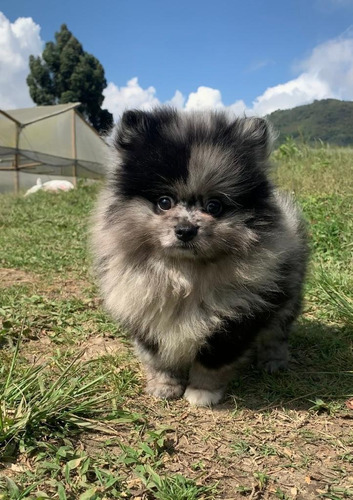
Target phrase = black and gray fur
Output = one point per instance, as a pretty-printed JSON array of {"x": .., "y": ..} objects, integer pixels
[{"x": 198, "y": 284}]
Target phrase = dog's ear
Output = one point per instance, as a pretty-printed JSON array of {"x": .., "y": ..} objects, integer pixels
[
  {"x": 256, "y": 138},
  {"x": 137, "y": 127},
  {"x": 136, "y": 120},
  {"x": 130, "y": 129}
]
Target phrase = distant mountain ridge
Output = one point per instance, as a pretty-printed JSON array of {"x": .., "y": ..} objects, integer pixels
[{"x": 329, "y": 120}]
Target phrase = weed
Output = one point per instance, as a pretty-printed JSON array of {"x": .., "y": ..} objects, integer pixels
[
  {"x": 336, "y": 493},
  {"x": 69, "y": 473},
  {"x": 175, "y": 487},
  {"x": 262, "y": 480},
  {"x": 241, "y": 447},
  {"x": 338, "y": 298},
  {"x": 32, "y": 403},
  {"x": 289, "y": 149},
  {"x": 280, "y": 494},
  {"x": 321, "y": 406}
]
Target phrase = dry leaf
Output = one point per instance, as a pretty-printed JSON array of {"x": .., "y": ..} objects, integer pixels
[
  {"x": 349, "y": 404},
  {"x": 134, "y": 482},
  {"x": 17, "y": 468}
]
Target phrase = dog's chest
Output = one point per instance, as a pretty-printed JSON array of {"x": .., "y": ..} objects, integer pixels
[
  {"x": 179, "y": 325},
  {"x": 176, "y": 310}
]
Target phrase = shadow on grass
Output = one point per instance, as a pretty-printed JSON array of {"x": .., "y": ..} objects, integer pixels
[{"x": 321, "y": 368}]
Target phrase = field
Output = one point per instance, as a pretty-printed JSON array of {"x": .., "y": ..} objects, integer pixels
[{"x": 74, "y": 420}]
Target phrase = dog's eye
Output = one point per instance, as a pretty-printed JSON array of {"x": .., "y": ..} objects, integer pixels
[
  {"x": 165, "y": 203},
  {"x": 213, "y": 207}
]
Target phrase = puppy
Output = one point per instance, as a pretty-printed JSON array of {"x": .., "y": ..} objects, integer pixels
[{"x": 196, "y": 252}]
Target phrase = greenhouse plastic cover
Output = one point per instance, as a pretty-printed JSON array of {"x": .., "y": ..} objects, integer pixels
[{"x": 52, "y": 140}]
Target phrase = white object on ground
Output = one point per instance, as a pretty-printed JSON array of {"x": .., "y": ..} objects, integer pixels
[
  {"x": 53, "y": 186},
  {"x": 35, "y": 188}
]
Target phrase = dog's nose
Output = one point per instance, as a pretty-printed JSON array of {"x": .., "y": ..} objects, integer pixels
[{"x": 186, "y": 232}]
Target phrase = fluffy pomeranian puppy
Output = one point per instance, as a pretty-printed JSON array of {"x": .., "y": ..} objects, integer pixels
[{"x": 196, "y": 252}]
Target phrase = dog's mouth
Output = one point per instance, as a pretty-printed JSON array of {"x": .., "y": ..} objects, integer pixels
[
  {"x": 183, "y": 248},
  {"x": 186, "y": 245}
]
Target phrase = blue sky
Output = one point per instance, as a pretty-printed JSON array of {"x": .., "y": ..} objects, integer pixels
[{"x": 235, "y": 51}]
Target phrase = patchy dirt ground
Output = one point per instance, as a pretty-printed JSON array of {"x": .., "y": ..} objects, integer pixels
[
  {"x": 254, "y": 454},
  {"x": 11, "y": 277},
  {"x": 248, "y": 448}
]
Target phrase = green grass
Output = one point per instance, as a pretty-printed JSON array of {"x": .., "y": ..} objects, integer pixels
[
  {"x": 33, "y": 401},
  {"x": 46, "y": 234},
  {"x": 63, "y": 320},
  {"x": 74, "y": 422},
  {"x": 304, "y": 170}
]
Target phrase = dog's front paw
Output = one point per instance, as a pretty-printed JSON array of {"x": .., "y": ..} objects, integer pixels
[
  {"x": 165, "y": 390},
  {"x": 273, "y": 365},
  {"x": 203, "y": 397}
]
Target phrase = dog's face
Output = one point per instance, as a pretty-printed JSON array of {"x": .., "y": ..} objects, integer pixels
[{"x": 191, "y": 186}]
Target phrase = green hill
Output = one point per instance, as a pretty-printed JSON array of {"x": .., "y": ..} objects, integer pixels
[{"x": 329, "y": 120}]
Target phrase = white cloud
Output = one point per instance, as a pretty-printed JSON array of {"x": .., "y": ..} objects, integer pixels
[
  {"x": 117, "y": 99},
  {"x": 18, "y": 41},
  {"x": 209, "y": 98},
  {"x": 332, "y": 62},
  {"x": 204, "y": 98},
  {"x": 302, "y": 90},
  {"x": 327, "y": 72},
  {"x": 239, "y": 108},
  {"x": 133, "y": 96},
  {"x": 177, "y": 101}
]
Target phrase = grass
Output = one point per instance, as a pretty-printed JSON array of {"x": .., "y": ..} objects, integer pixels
[
  {"x": 342, "y": 302},
  {"x": 74, "y": 422},
  {"x": 34, "y": 402},
  {"x": 324, "y": 170},
  {"x": 52, "y": 230}
]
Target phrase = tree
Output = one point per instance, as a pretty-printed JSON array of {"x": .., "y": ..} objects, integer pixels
[{"x": 66, "y": 73}]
